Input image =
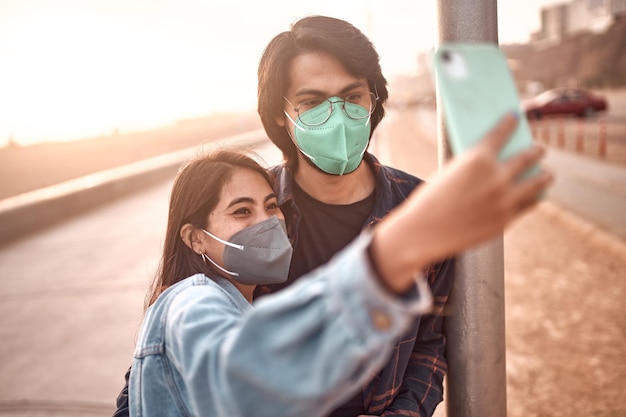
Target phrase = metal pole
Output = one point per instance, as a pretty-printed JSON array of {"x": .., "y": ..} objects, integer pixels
[{"x": 475, "y": 329}]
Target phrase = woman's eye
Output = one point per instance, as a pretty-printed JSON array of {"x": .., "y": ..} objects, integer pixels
[
  {"x": 272, "y": 206},
  {"x": 243, "y": 210}
]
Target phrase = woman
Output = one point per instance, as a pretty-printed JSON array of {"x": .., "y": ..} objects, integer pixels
[
  {"x": 203, "y": 350},
  {"x": 199, "y": 336}
]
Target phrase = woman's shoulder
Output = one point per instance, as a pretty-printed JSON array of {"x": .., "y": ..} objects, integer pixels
[
  {"x": 184, "y": 303},
  {"x": 202, "y": 293},
  {"x": 197, "y": 286}
]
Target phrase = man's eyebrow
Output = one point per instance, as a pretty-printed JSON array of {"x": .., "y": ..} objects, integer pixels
[{"x": 312, "y": 91}]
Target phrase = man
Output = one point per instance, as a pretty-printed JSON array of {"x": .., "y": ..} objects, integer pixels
[{"x": 320, "y": 96}]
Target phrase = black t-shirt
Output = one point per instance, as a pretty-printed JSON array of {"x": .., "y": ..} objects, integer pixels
[{"x": 324, "y": 230}]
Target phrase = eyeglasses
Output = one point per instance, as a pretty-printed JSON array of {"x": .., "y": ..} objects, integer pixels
[{"x": 316, "y": 111}]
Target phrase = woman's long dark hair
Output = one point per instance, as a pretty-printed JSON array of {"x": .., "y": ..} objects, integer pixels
[{"x": 195, "y": 194}]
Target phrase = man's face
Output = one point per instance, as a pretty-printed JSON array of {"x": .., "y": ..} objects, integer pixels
[{"x": 317, "y": 75}]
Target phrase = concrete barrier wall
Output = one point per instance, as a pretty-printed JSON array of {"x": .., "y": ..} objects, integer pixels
[{"x": 29, "y": 212}]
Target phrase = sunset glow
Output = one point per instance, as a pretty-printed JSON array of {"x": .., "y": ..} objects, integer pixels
[{"x": 75, "y": 69}]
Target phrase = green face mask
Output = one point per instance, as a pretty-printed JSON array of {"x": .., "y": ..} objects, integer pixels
[{"x": 337, "y": 145}]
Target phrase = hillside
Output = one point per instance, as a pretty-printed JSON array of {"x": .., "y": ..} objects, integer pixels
[{"x": 586, "y": 60}]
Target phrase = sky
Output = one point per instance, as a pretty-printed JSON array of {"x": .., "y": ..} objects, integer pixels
[{"x": 83, "y": 68}]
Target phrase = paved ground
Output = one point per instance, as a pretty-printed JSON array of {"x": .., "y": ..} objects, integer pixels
[
  {"x": 565, "y": 282},
  {"x": 71, "y": 302}
]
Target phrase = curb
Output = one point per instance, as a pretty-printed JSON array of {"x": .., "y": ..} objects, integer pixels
[{"x": 26, "y": 213}]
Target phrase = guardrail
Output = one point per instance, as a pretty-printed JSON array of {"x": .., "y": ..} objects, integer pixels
[{"x": 577, "y": 134}]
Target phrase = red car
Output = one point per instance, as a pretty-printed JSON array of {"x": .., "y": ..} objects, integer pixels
[{"x": 564, "y": 101}]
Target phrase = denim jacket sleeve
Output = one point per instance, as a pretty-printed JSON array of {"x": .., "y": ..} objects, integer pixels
[{"x": 301, "y": 351}]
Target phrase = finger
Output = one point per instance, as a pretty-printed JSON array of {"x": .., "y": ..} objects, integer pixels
[
  {"x": 499, "y": 135},
  {"x": 523, "y": 161},
  {"x": 529, "y": 192}
]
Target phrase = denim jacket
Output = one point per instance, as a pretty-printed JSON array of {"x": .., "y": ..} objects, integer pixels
[{"x": 204, "y": 351}]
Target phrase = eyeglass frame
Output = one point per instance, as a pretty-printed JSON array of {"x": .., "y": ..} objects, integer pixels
[{"x": 332, "y": 108}]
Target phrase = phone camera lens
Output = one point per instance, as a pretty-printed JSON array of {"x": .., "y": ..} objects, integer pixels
[{"x": 446, "y": 56}]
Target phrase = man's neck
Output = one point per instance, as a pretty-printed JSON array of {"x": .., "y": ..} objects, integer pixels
[{"x": 336, "y": 189}]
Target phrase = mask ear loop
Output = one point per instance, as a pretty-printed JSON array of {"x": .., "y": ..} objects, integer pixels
[
  {"x": 289, "y": 117},
  {"x": 369, "y": 118},
  {"x": 295, "y": 142},
  {"x": 205, "y": 258},
  {"x": 367, "y": 122},
  {"x": 294, "y": 123},
  {"x": 224, "y": 242}
]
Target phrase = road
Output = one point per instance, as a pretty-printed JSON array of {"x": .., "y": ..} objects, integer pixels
[
  {"x": 71, "y": 302},
  {"x": 586, "y": 186}
]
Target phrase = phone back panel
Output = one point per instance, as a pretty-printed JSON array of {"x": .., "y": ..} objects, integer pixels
[{"x": 476, "y": 90}]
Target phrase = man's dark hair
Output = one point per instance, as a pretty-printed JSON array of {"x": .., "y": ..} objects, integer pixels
[{"x": 313, "y": 34}]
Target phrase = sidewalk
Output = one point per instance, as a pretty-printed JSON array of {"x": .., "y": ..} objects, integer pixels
[{"x": 71, "y": 301}]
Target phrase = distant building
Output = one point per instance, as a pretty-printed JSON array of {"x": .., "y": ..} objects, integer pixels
[
  {"x": 554, "y": 23},
  {"x": 577, "y": 16}
]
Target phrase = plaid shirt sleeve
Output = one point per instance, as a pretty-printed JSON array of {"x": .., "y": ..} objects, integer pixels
[
  {"x": 421, "y": 354},
  {"x": 422, "y": 387},
  {"x": 419, "y": 389}
]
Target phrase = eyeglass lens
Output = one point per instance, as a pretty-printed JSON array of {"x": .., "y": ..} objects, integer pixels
[{"x": 356, "y": 106}]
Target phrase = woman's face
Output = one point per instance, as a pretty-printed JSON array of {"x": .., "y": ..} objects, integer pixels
[{"x": 246, "y": 199}]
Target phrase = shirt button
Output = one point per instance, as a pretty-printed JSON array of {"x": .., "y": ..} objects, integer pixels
[{"x": 381, "y": 320}]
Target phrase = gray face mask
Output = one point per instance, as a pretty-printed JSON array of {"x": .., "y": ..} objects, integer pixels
[{"x": 257, "y": 255}]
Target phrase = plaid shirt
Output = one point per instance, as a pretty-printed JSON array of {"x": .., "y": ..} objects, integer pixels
[{"x": 411, "y": 384}]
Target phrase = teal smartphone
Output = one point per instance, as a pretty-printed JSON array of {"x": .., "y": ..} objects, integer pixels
[{"x": 476, "y": 89}]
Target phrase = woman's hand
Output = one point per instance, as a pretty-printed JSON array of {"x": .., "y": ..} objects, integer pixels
[{"x": 471, "y": 200}]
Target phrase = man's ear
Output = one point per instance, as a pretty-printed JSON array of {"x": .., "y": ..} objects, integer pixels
[
  {"x": 281, "y": 120},
  {"x": 188, "y": 234}
]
